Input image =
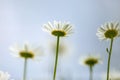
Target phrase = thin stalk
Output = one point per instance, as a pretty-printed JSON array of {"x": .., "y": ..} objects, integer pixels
[
  {"x": 56, "y": 58},
  {"x": 25, "y": 69},
  {"x": 109, "y": 57},
  {"x": 91, "y": 73}
]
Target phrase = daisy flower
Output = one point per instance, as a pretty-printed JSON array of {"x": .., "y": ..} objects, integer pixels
[
  {"x": 90, "y": 61},
  {"x": 109, "y": 31},
  {"x": 26, "y": 51},
  {"x": 58, "y": 28},
  {"x": 4, "y": 76}
]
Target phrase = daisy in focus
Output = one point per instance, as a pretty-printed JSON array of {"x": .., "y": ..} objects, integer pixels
[
  {"x": 58, "y": 28},
  {"x": 109, "y": 31},
  {"x": 4, "y": 76},
  {"x": 90, "y": 61},
  {"x": 26, "y": 51}
]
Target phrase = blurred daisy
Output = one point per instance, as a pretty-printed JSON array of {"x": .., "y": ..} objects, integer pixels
[
  {"x": 4, "y": 76},
  {"x": 90, "y": 61},
  {"x": 109, "y": 31},
  {"x": 58, "y": 28},
  {"x": 26, "y": 52},
  {"x": 62, "y": 48},
  {"x": 114, "y": 75}
]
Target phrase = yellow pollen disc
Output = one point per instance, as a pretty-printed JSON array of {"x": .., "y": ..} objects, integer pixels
[
  {"x": 58, "y": 33},
  {"x": 26, "y": 54}
]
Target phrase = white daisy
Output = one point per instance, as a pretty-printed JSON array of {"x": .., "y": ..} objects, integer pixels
[
  {"x": 109, "y": 31},
  {"x": 26, "y": 51},
  {"x": 4, "y": 76},
  {"x": 58, "y": 28},
  {"x": 90, "y": 60}
]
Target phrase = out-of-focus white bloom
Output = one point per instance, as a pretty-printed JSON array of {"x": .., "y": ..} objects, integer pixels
[
  {"x": 26, "y": 51},
  {"x": 62, "y": 48},
  {"x": 90, "y": 60},
  {"x": 4, "y": 76},
  {"x": 114, "y": 75}
]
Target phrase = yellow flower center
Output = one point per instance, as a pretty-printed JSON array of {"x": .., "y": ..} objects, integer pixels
[
  {"x": 91, "y": 62},
  {"x": 26, "y": 54},
  {"x": 58, "y": 33},
  {"x": 111, "y": 33}
]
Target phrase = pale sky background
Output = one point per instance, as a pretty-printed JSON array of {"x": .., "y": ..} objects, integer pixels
[{"x": 21, "y": 20}]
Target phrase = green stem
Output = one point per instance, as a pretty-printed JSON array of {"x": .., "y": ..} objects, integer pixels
[
  {"x": 91, "y": 73},
  {"x": 25, "y": 69},
  {"x": 109, "y": 57},
  {"x": 56, "y": 58}
]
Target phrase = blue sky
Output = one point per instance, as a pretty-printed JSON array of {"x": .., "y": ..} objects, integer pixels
[{"x": 21, "y": 20}]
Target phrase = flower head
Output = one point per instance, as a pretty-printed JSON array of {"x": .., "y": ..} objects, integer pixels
[
  {"x": 90, "y": 60},
  {"x": 4, "y": 76},
  {"x": 109, "y": 31},
  {"x": 58, "y": 28},
  {"x": 26, "y": 51}
]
